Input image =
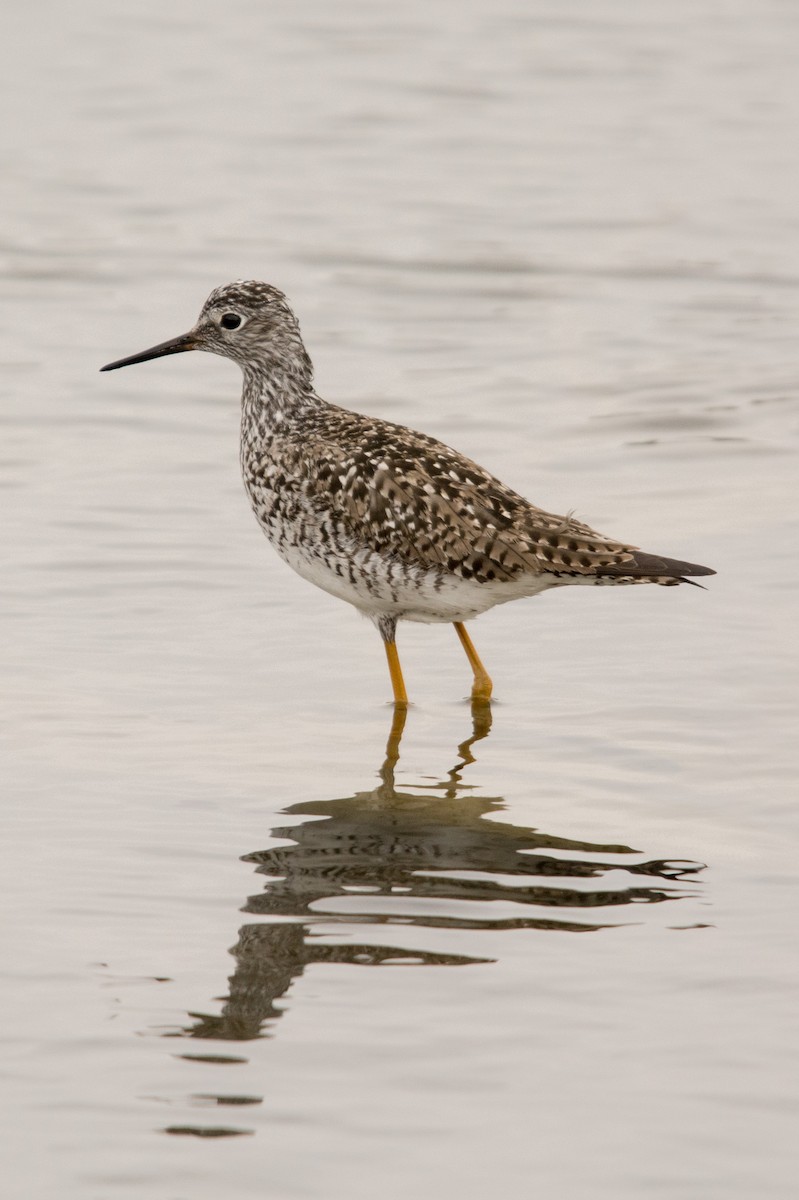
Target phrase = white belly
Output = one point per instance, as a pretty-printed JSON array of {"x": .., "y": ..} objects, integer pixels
[{"x": 378, "y": 586}]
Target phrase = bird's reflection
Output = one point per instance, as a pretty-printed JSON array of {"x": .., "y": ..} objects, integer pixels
[{"x": 426, "y": 858}]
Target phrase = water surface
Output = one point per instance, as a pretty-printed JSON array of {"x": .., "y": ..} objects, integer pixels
[{"x": 257, "y": 945}]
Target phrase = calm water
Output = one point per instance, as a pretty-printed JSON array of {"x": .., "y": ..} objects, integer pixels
[{"x": 255, "y": 946}]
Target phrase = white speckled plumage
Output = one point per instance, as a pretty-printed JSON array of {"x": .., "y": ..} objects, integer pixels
[{"x": 388, "y": 519}]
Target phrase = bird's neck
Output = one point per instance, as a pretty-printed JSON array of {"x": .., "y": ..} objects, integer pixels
[{"x": 277, "y": 394}]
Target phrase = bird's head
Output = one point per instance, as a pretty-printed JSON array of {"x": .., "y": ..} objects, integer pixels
[{"x": 247, "y": 321}]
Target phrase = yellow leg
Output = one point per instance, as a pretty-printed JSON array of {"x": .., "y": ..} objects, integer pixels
[
  {"x": 395, "y": 670},
  {"x": 483, "y": 686}
]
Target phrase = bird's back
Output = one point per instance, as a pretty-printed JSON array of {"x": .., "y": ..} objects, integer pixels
[{"x": 411, "y": 500}]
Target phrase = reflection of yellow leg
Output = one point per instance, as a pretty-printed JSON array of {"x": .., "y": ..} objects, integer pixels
[
  {"x": 482, "y": 680},
  {"x": 393, "y": 744},
  {"x": 395, "y": 670},
  {"x": 481, "y": 723}
]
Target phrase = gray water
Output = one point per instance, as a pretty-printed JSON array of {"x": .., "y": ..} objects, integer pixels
[{"x": 248, "y": 955}]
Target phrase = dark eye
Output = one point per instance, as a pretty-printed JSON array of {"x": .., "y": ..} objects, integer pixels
[{"x": 230, "y": 321}]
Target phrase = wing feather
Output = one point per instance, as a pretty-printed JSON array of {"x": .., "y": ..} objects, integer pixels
[{"x": 408, "y": 495}]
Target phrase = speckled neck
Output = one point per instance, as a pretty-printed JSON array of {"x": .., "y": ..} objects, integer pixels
[{"x": 277, "y": 393}]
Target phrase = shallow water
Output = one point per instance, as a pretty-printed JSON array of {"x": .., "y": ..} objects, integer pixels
[{"x": 564, "y": 241}]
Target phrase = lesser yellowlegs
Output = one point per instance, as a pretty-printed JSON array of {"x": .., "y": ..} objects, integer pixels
[{"x": 390, "y": 520}]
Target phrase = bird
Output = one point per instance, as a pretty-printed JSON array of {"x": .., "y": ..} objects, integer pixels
[{"x": 393, "y": 521}]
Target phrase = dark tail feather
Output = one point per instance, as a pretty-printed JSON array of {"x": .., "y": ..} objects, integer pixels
[{"x": 652, "y": 566}]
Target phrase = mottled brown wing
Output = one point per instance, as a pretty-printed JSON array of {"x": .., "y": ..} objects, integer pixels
[{"x": 410, "y": 495}]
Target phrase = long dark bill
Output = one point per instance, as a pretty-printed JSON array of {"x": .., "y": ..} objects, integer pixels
[{"x": 178, "y": 345}]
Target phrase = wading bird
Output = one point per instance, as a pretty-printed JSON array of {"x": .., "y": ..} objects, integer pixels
[{"x": 390, "y": 520}]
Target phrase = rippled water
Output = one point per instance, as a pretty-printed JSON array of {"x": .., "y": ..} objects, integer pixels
[{"x": 564, "y": 239}]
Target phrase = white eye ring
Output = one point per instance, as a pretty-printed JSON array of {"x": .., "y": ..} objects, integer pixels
[{"x": 231, "y": 320}]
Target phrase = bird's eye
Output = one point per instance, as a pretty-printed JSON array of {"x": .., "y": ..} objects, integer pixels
[{"x": 230, "y": 321}]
